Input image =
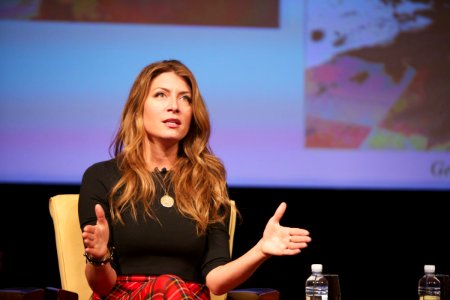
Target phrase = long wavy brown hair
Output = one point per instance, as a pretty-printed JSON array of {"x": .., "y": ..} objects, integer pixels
[{"x": 198, "y": 176}]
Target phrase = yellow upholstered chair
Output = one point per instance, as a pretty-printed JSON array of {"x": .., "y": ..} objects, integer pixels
[
  {"x": 70, "y": 248},
  {"x": 69, "y": 244}
]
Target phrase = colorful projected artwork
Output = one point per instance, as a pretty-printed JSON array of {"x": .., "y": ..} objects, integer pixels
[
  {"x": 252, "y": 13},
  {"x": 378, "y": 81}
]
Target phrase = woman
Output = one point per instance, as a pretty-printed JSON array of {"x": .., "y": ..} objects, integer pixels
[{"x": 154, "y": 218}]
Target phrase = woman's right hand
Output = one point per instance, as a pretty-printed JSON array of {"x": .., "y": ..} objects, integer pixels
[{"x": 95, "y": 237}]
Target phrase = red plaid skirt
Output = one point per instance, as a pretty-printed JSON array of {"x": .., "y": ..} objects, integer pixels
[{"x": 163, "y": 287}]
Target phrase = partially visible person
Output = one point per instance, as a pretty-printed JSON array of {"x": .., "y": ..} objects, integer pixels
[{"x": 155, "y": 217}]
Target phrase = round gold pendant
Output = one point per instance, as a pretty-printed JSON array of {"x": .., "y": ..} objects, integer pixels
[{"x": 167, "y": 201}]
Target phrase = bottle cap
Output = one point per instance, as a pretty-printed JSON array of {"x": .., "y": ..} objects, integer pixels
[
  {"x": 316, "y": 267},
  {"x": 429, "y": 268}
]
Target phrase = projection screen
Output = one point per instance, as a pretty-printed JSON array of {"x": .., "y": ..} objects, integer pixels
[{"x": 323, "y": 94}]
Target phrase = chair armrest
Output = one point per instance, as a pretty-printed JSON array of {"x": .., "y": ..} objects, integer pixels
[
  {"x": 22, "y": 293},
  {"x": 52, "y": 293},
  {"x": 253, "y": 294}
]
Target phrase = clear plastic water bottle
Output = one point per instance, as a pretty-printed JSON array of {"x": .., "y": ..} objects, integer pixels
[
  {"x": 429, "y": 285},
  {"x": 316, "y": 286}
]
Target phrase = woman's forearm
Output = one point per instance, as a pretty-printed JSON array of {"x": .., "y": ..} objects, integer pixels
[
  {"x": 101, "y": 279},
  {"x": 277, "y": 240},
  {"x": 226, "y": 277}
]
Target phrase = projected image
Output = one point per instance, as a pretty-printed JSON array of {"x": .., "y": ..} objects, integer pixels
[
  {"x": 373, "y": 75},
  {"x": 255, "y": 13},
  {"x": 377, "y": 75}
]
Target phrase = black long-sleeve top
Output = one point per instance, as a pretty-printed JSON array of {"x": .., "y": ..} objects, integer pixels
[{"x": 149, "y": 247}]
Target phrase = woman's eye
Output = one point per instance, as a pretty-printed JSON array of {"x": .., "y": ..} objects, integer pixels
[
  {"x": 159, "y": 95},
  {"x": 186, "y": 98}
]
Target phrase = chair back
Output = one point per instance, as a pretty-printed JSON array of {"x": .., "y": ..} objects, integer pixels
[
  {"x": 70, "y": 248},
  {"x": 69, "y": 244}
]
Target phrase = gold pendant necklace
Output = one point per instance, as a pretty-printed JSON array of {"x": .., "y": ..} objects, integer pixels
[{"x": 166, "y": 200}]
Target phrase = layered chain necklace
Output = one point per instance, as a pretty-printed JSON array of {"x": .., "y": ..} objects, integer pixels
[{"x": 166, "y": 200}]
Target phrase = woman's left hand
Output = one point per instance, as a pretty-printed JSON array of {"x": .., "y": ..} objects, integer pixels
[{"x": 280, "y": 240}]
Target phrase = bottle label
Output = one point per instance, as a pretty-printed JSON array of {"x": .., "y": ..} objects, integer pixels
[
  {"x": 325, "y": 297},
  {"x": 429, "y": 297}
]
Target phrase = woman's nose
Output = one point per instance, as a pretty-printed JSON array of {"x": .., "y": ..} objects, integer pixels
[{"x": 173, "y": 104}]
